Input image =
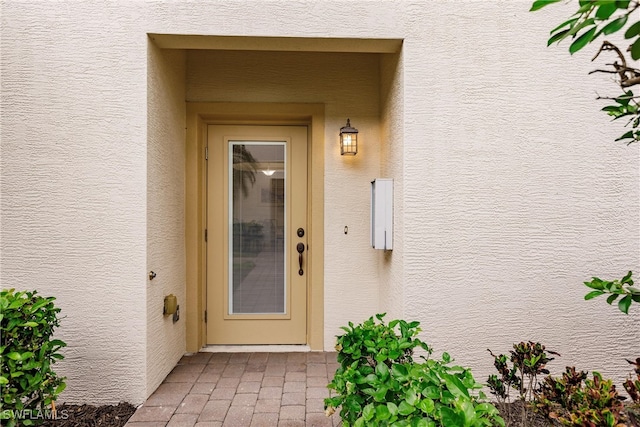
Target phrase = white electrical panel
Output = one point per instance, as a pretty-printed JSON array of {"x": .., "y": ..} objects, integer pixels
[{"x": 382, "y": 213}]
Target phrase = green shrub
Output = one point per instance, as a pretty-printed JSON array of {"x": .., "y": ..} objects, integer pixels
[
  {"x": 575, "y": 400},
  {"x": 378, "y": 382},
  {"x": 528, "y": 361},
  {"x": 29, "y": 386},
  {"x": 632, "y": 385}
]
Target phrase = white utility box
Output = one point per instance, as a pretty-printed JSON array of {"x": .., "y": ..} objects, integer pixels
[{"x": 382, "y": 213}]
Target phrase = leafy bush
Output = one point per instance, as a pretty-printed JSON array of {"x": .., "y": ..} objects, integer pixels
[
  {"x": 632, "y": 385},
  {"x": 29, "y": 386},
  {"x": 528, "y": 360},
  {"x": 378, "y": 382},
  {"x": 575, "y": 400}
]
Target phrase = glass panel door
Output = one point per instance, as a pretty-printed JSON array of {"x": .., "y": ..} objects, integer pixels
[
  {"x": 257, "y": 259},
  {"x": 257, "y": 204}
]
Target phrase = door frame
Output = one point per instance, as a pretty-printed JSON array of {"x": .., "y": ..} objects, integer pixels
[{"x": 199, "y": 116}]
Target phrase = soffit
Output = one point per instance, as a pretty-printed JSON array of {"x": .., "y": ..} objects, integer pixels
[{"x": 287, "y": 44}]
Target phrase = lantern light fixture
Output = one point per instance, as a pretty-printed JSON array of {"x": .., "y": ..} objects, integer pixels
[{"x": 348, "y": 140}]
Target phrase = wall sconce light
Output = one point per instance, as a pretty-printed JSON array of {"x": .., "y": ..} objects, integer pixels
[{"x": 348, "y": 140}]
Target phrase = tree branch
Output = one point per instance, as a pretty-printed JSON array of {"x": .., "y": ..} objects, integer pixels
[
  {"x": 628, "y": 76},
  {"x": 631, "y": 82}
]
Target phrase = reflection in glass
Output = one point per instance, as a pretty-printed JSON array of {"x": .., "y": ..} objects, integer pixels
[{"x": 257, "y": 228}]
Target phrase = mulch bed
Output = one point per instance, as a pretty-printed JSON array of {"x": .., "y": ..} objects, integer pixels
[
  {"x": 117, "y": 416},
  {"x": 533, "y": 419},
  {"x": 93, "y": 416}
]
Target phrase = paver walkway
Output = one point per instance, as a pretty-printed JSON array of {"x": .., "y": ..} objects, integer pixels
[{"x": 243, "y": 390}]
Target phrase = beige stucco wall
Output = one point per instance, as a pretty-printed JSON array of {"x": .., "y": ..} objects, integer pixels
[
  {"x": 509, "y": 188},
  {"x": 515, "y": 192},
  {"x": 74, "y": 184},
  {"x": 390, "y": 264},
  {"x": 166, "y": 340}
]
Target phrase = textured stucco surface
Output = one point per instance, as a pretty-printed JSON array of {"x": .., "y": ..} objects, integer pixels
[
  {"x": 509, "y": 188},
  {"x": 515, "y": 192},
  {"x": 166, "y": 340},
  {"x": 74, "y": 184},
  {"x": 391, "y": 266}
]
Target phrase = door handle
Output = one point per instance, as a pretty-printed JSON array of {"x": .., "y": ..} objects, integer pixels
[{"x": 300, "y": 249}]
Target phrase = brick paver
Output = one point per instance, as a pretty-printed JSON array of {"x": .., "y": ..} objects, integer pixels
[{"x": 243, "y": 390}]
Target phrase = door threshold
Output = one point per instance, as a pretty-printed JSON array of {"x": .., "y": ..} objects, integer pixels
[{"x": 256, "y": 348}]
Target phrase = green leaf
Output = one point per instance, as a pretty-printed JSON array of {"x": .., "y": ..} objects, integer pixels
[
  {"x": 382, "y": 371},
  {"x": 411, "y": 397},
  {"x": 557, "y": 37},
  {"x": 612, "y": 108},
  {"x": 405, "y": 409},
  {"x": 606, "y": 10},
  {"x": 60, "y": 388},
  {"x": 539, "y": 4},
  {"x": 399, "y": 370},
  {"x": 585, "y": 7},
  {"x": 635, "y": 49},
  {"x": 432, "y": 392},
  {"x": 582, "y": 41},
  {"x": 58, "y": 343},
  {"x": 450, "y": 417},
  {"x": 382, "y": 413},
  {"x": 29, "y": 324},
  {"x": 625, "y": 136},
  {"x": 595, "y": 284},
  {"x": 632, "y": 31},
  {"x": 455, "y": 386},
  {"x": 615, "y": 25},
  {"x": 612, "y": 298},
  {"x": 368, "y": 412},
  {"x": 3, "y": 381},
  {"x": 14, "y": 355},
  {"x": 426, "y": 405},
  {"x": 468, "y": 412},
  {"x": 593, "y": 294},
  {"x": 17, "y": 303},
  {"x": 575, "y": 29},
  {"x": 623, "y": 4},
  {"x": 565, "y": 23},
  {"x": 393, "y": 408},
  {"x": 39, "y": 304},
  {"x": 624, "y": 304},
  {"x": 627, "y": 278},
  {"x": 26, "y": 355}
]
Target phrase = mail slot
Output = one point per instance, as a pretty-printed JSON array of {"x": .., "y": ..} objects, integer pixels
[{"x": 382, "y": 213}]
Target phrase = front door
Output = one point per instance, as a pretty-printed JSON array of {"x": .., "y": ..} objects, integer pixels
[{"x": 257, "y": 234}]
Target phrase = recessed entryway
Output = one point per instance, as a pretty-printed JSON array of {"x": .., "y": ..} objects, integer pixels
[{"x": 255, "y": 174}]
